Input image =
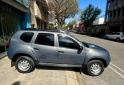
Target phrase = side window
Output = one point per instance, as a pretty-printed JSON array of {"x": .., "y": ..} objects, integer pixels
[
  {"x": 67, "y": 42},
  {"x": 27, "y": 36},
  {"x": 45, "y": 39},
  {"x": 111, "y": 33}
]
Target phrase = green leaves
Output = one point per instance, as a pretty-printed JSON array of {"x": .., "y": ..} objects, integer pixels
[
  {"x": 89, "y": 14},
  {"x": 70, "y": 24}
]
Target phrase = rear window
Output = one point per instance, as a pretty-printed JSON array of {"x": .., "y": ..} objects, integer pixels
[
  {"x": 116, "y": 33},
  {"x": 27, "y": 36}
]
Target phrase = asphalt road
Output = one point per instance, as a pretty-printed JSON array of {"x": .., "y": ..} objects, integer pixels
[{"x": 114, "y": 73}]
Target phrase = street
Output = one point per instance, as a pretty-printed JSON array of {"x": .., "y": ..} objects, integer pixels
[
  {"x": 40, "y": 76},
  {"x": 114, "y": 73}
]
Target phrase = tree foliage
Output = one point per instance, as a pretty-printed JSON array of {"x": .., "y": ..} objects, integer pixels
[
  {"x": 63, "y": 9},
  {"x": 89, "y": 14},
  {"x": 71, "y": 24},
  {"x": 64, "y": 27}
]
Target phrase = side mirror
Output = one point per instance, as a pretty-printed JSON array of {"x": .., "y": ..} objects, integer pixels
[{"x": 80, "y": 48}]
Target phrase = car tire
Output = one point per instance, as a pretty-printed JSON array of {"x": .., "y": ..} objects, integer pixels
[
  {"x": 24, "y": 64},
  {"x": 117, "y": 39},
  {"x": 106, "y": 37},
  {"x": 95, "y": 67}
]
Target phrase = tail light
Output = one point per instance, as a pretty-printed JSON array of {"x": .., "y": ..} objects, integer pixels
[{"x": 8, "y": 44}]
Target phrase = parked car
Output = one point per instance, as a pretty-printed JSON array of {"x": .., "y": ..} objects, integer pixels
[
  {"x": 83, "y": 32},
  {"x": 75, "y": 31},
  {"x": 118, "y": 36},
  {"x": 93, "y": 34},
  {"x": 28, "y": 48},
  {"x": 97, "y": 34}
]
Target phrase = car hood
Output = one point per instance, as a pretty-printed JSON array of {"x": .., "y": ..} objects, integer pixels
[{"x": 92, "y": 46}]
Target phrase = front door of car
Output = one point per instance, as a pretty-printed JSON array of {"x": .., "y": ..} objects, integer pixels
[
  {"x": 44, "y": 49},
  {"x": 68, "y": 51},
  {"x": 110, "y": 35}
]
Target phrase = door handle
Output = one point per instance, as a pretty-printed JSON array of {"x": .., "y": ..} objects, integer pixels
[
  {"x": 61, "y": 51},
  {"x": 36, "y": 49}
]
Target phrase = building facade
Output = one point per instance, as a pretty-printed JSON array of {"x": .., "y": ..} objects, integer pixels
[
  {"x": 14, "y": 15},
  {"x": 114, "y": 16},
  {"x": 81, "y": 27},
  {"x": 98, "y": 26},
  {"x": 39, "y": 14}
]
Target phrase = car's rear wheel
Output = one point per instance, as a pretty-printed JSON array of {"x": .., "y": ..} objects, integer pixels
[
  {"x": 24, "y": 64},
  {"x": 95, "y": 67},
  {"x": 106, "y": 37},
  {"x": 118, "y": 39}
]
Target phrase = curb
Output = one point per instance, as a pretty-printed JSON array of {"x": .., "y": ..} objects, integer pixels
[
  {"x": 71, "y": 78},
  {"x": 80, "y": 79},
  {"x": 3, "y": 54}
]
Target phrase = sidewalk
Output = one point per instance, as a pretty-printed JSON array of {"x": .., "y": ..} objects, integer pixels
[
  {"x": 3, "y": 54},
  {"x": 40, "y": 76}
]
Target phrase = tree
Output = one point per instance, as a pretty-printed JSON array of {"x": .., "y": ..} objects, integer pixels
[
  {"x": 89, "y": 14},
  {"x": 71, "y": 24},
  {"x": 63, "y": 9},
  {"x": 64, "y": 27}
]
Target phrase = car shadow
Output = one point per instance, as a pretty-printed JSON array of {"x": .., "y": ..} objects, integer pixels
[
  {"x": 77, "y": 70},
  {"x": 16, "y": 83},
  {"x": 58, "y": 68}
]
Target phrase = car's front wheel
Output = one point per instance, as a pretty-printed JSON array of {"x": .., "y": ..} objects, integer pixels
[
  {"x": 117, "y": 39},
  {"x": 95, "y": 67},
  {"x": 24, "y": 64},
  {"x": 106, "y": 37}
]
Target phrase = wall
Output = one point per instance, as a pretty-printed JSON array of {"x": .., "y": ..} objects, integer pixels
[
  {"x": 98, "y": 21},
  {"x": 16, "y": 5},
  {"x": 38, "y": 16}
]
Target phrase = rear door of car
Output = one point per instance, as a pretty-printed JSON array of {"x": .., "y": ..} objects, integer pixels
[
  {"x": 111, "y": 36},
  {"x": 116, "y": 35},
  {"x": 44, "y": 48}
]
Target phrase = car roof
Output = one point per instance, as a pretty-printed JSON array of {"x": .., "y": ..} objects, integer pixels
[{"x": 45, "y": 30}]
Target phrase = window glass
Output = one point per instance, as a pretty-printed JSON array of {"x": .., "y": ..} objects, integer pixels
[
  {"x": 45, "y": 39},
  {"x": 27, "y": 36},
  {"x": 67, "y": 42}
]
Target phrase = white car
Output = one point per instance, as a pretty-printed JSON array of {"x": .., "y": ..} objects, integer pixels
[{"x": 118, "y": 36}]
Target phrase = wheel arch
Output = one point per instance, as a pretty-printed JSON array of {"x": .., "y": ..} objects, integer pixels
[
  {"x": 104, "y": 62},
  {"x": 16, "y": 56}
]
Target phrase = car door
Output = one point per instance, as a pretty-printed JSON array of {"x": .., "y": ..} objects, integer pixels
[
  {"x": 116, "y": 35},
  {"x": 113, "y": 35},
  {"x": 68, "y": 52},
  {"x": 44, "y": 48},
  {"x": 110, "y": 35}
]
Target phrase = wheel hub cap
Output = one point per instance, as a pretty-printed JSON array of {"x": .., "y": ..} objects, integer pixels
[
  {"x": 23, "y": 65},
  {"x": 95, "y": 68}
]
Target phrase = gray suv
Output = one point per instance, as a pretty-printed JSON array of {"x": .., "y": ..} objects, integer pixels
[{"x": 28, "y": 48}]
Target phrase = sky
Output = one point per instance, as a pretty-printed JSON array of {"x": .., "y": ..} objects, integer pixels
[{"x": 101, "y": 4}]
